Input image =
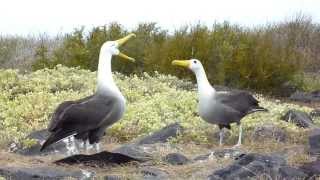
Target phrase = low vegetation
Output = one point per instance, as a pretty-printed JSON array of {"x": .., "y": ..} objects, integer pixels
[
  {"x": 27, "y": 102},
  {"x": 261, "y": 58},
  {"x": 233, "y": 55}
]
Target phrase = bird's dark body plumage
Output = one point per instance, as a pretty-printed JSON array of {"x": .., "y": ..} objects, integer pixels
[
  {"x": 86, "y": 118},
  {"x": 236, "y": 105}
]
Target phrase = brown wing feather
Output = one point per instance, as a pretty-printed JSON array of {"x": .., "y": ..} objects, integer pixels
[
  {"x": 80, "y": 118},
  {"x": 60, "y": 110},
  {"x": 241, "y": 101}
]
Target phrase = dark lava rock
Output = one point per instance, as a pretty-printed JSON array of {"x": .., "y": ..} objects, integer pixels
[
  {"x": 306, "y": 97},
  {"x": 18, "y": 173},
  {"x": 250, "y": 165},
  {"x": 99, "y": 159},
  {"x": 312, "y": 168},
  {"x": 176, "y": 159},
  {"x": 162, "y": 135},
  {"x": 134, "y": 151},
  {"x": 40, "y": 136},
  {"x": 224, "y": 153},
  {"x": 286, "y": 89},
  {"x": 140, "y": 149},
  {"x": 269, "y": 132},
  {"x": 315, "y": 113},
  {"x": 301, "y": 97},
  {"x": 287, "y": 172},
  {"x": 301, "y": 119},
  {"x": 314, "y": 142},
  {"x": 269, "y": 160},
  {"x": 316, "y": 95},
  {"x": 150, "y": 173}
]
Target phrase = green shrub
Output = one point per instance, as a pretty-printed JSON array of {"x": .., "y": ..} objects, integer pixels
[
  {"x": 27, "y": 102},
  {"x": 261, "y": 59}
]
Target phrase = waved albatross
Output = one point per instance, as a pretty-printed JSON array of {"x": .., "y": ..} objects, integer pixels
[
  {"x": 88, "y": 118},
  {"x": 220, "y": 108}
]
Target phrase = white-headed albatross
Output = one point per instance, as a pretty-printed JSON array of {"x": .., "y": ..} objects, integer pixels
[
  {"x": 220, "y": 108},
  {"x": 88, "y": 118}
]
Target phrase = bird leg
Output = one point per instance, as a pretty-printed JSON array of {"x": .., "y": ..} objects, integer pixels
[
  {"x": 240, "y": 136},
  {"x": 97, "y": 147},
  {"x": 73, "y": 144},
  {"x": 221, "y": 134},
  {"x": 87, "y": 146},
  {"x": 71, "y": 147},
  {"x": 79, "y": 144}
]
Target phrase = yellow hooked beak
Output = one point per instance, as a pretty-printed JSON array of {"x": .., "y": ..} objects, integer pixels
[
  {"x": 183, "y": 63},
  {"x": 123, "y": 41},
  {"x": 126, "y": 57}
]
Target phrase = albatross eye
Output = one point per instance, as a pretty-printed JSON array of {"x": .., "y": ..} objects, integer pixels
[{"x": 195, "y": 62}]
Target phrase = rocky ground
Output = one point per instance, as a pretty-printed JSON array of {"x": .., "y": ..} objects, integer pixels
[{"x": 270, "y": 156}]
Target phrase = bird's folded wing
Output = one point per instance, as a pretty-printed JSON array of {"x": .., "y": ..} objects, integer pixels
[
  {"x": 241, "y": 101},
  {"x": 82, "y": 115}
]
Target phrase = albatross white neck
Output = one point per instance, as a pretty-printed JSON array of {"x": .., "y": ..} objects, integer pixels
[
  {"x": 204, "y": 87},
  {"x": 105, "y": 82}
]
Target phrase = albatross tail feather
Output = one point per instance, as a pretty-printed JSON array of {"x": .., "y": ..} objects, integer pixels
[{"x": 55, "y": 137}]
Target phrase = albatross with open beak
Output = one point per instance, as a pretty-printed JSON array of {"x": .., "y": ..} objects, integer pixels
[
  {"x": 88, "y": 118},
  {"x": 220, "y": 108}
]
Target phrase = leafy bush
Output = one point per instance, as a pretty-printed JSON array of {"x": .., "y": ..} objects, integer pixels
[
  {"x": 28, "y": 100},
  {"x": 262, "y": 59}
]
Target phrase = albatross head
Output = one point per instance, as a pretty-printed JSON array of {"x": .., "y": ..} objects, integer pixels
[
  {"x": 112, "y": 47},
  {"x": 204, "y": 87},
  {"x": 192, "y": 64},
  {"x": 105, "y": 83}
]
